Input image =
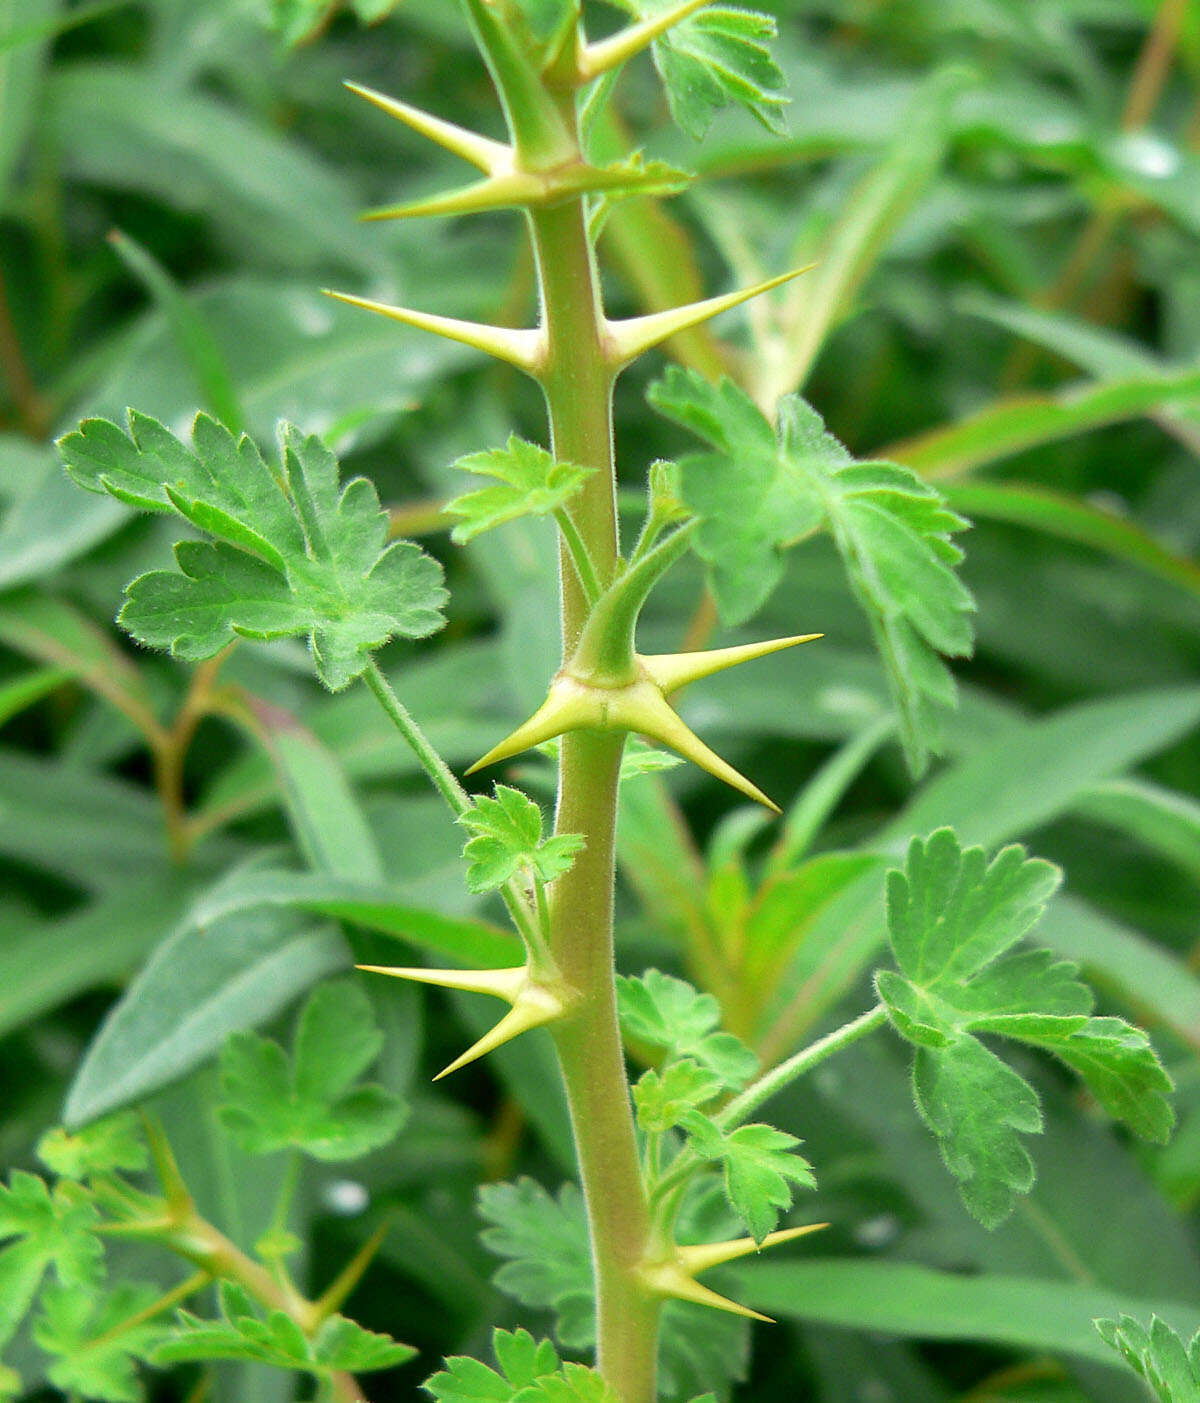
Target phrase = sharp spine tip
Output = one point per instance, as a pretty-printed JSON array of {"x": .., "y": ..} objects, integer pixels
[
  {"x": 674, "y": 670},
  {"x": 480, "y": 151},
  {"x": 517, "y": 347},
  {"x": 628, "y": 339}
]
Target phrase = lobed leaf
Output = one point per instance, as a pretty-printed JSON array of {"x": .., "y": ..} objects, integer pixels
[
  {"x": 953, "y": 919},
  {"x": 667, "y": 1013},
  {"x": 241, "y": 1333},
  {"x": 310, "y": 1102},
  {"x": 292, "y": 554},
  {"x": 1169, "y": 1365},
  {"x": 530, "y": 483},
  {"x": 761, "y": 1165},
  {"x": 718, "y": 57},
  {"x": 663, "y": 1099},
  {"x": 547, "y": 1259},
  {"x": 114, "y": 1143},
  {"x": 96, "y": 1351},
  {"x": 51, "y": 1228},
  {"x": 506, "y": 839},
  {"x": 763, "y": 488},
  {"x": 522, "y": 1360}
]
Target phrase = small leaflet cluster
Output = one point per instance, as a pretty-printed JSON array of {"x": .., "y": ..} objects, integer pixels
[
  {"x": 54, "y": 1255},
  {"x": 529, "y": 482},
  {"x": 717, "y": 57},
  {"x": 763, "y": 488},
  {"x": 243, "y": 1332},
  {"x": 699, "y": 1065},
  {"x": 507, "y": 840},
  {"x": 310, "y": 1101},
  {"x": 290, "y": 553},
  {"x": 528, "y": 1372},
  {"x": 953, "y": 920},
  {"x": 1170, "y": 1366}
]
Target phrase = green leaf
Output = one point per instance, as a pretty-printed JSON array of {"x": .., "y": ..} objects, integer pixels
[
  {"x": 1023, "y": 422},
  {"x": 383, "y": 909},
  {"x": 1070, "y": 519},
  {"x": 762, "y": 489},
  {"x": 112, "y": 1144},
  {"x": 530, "y": 482},
  {"x": 195, "y": 990},
  {"x": 97, "y": 1352},
  {"x": 1169, "y": 1366},
  {"x": 522, "y": 1361},
  {"x": 191, "y": 332},
  {"x": 667, "y": 1013},
  {"x": 46, "y": 963},
  {"x": 506, "y": 838},
  {"x": 544, "y": 1241},
  {"x": 28, "y": 689},
  {"x": 664, "y": 1098},
  {"x": 761, "y": 1165},
  {"x": 713, "y": 59},
  {"x": 576, "y": 1384},
  {"x": 1020, "y": 1312},
  {"x": 331, "y": 829},
  {"x": 292, "y": 554},
  {"x": 310, "y": 1102},
  {"x": 953, "y": 919},
  {"x": 241, "y": 1333},
  {"x": 52, "y": 1228}
]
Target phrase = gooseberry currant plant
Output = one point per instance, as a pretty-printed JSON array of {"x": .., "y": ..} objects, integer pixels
[{"x": 280, "y": 548}]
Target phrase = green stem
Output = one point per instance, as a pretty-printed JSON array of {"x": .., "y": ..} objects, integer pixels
[
  {"x": 432, "y": 763},
  {"x": 454, "y": 794},
  {"x": 772, "y": 1082},
  {"x": 577, "y": 382},
  {"x": 579, "y": 555}
]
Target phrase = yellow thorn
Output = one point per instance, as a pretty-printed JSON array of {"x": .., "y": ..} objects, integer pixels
[
  {"x": 489, "y": 156},
  {"x": 628, "y": 339},
  {"x": 504, "y": 984},
  {"x": 715, "y": 1254},
  {"x": 651, "y": 715},
  {"x": 535, "y": 1006},
  {"x": 568, "y": 707},
  {"x": 511, "y": 191},
  {"x": 524, "y": 349},
  {"x": 608, "y": 53},
  {"x": 572, "y": 705},
  {"x": 671, "y": 1279},
  {"x": 674, "y": 670}
]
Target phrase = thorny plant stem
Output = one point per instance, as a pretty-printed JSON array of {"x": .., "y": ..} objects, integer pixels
[{"x": 577, "y": 382}]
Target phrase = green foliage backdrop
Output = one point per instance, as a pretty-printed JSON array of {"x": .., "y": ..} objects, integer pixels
[{"x": 1000, "y": 327}]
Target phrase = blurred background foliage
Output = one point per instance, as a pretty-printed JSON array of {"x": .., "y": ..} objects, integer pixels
[{"x": 1002, "y": 198}]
